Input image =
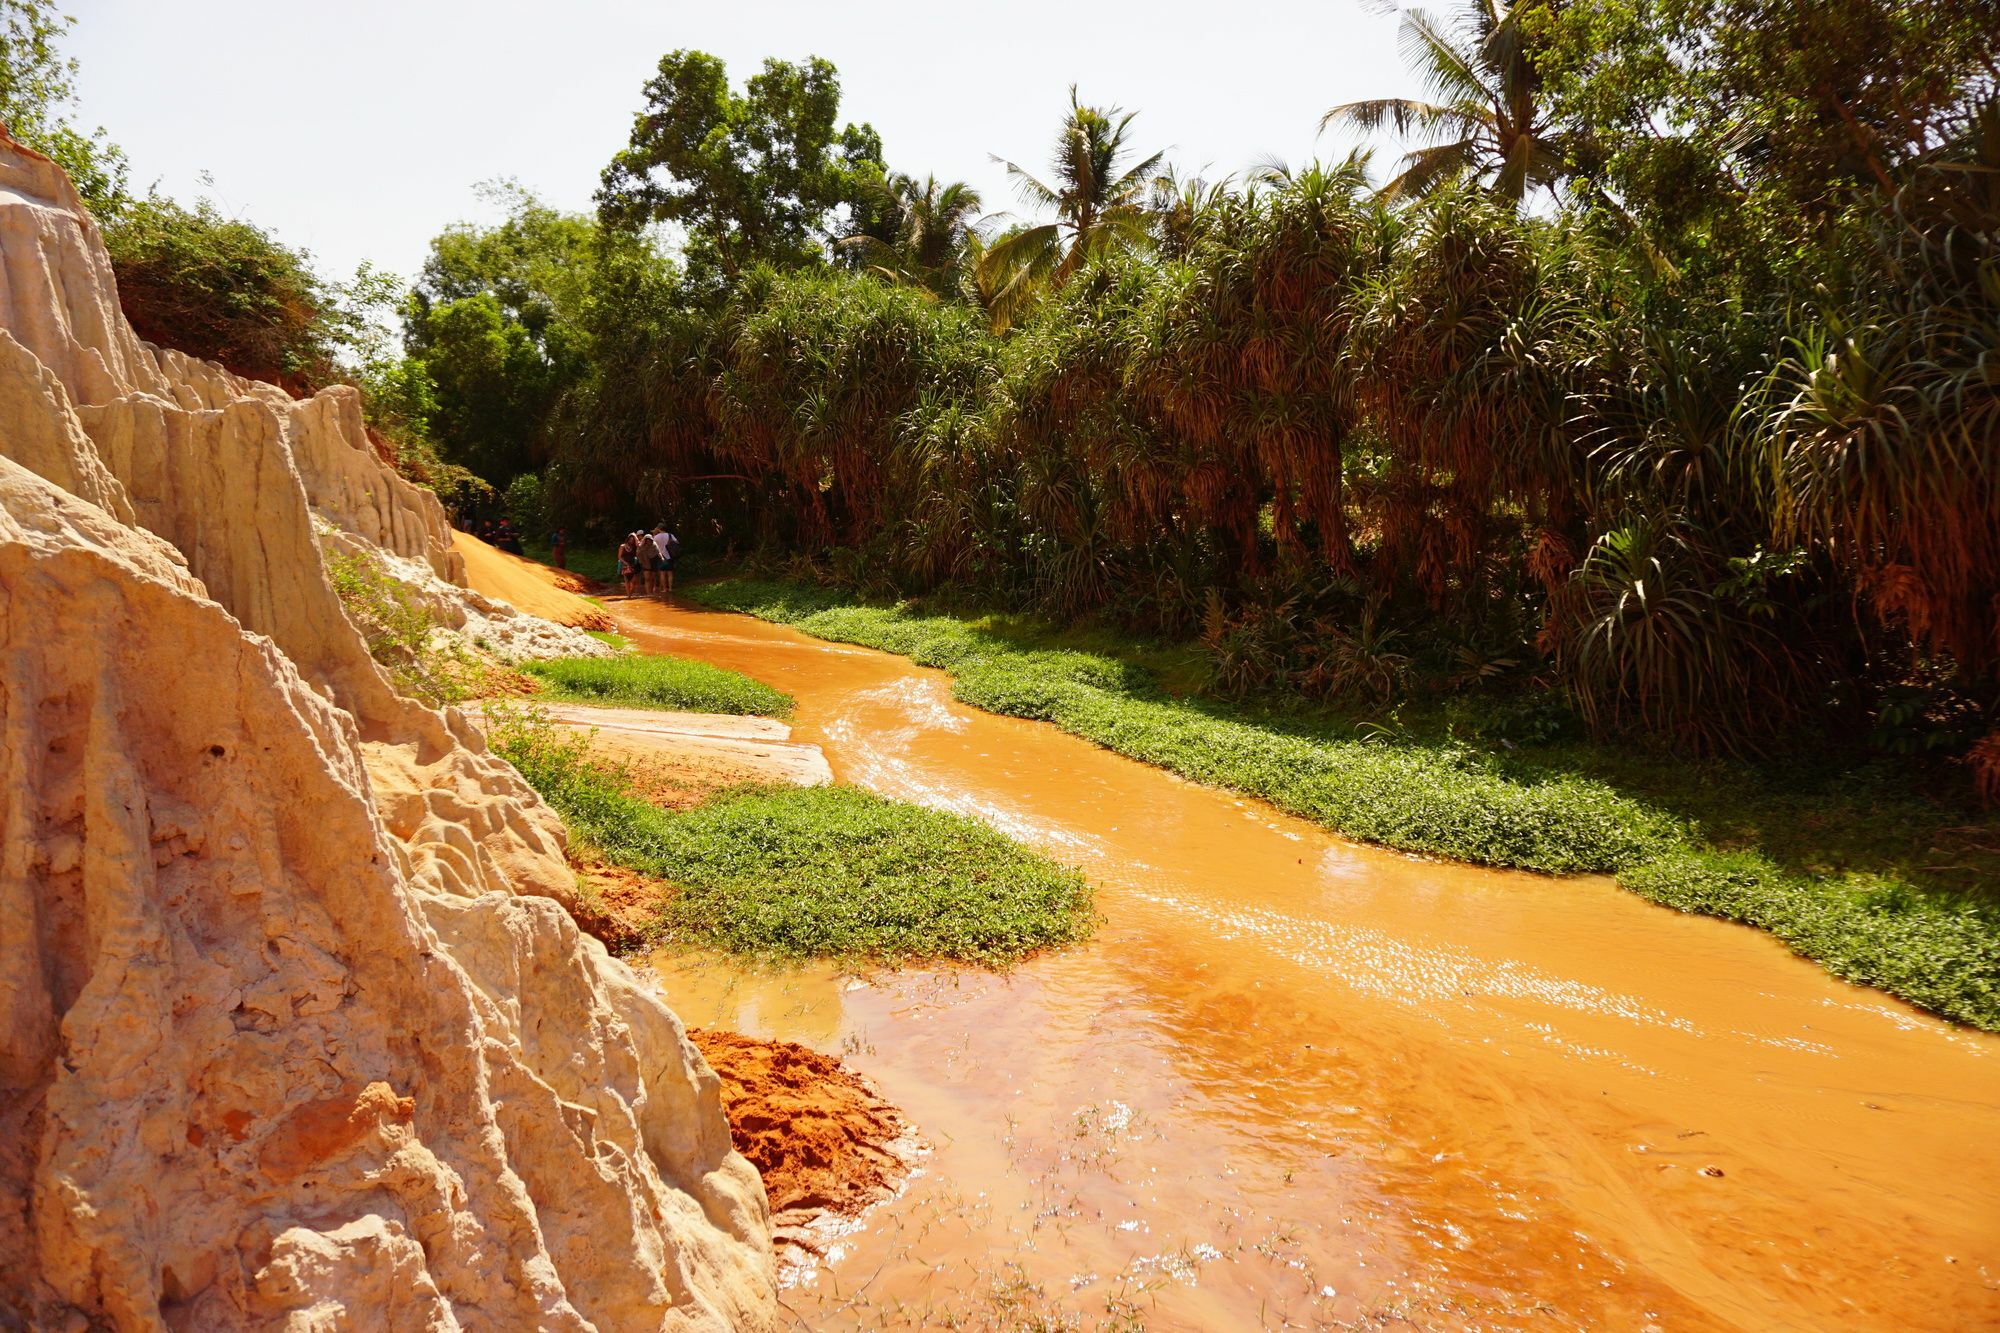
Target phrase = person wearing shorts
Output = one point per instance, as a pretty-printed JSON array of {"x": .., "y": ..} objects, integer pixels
[
  {"x": 649, "y": 561},
  {"x": 628, "y": 561}
]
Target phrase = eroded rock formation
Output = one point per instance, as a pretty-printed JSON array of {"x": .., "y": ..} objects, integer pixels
[{"x": 294, "y": 1028}]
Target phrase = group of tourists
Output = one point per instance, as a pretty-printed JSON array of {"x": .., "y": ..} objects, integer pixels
[
  {"x": 501, "y": 533},
  {"x": 646, "y": 560}
]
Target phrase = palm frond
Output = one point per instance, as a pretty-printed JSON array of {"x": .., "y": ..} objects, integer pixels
[
  {"x": 1427, "y": 169},
  {"x": 1402, "y": 115},
  {"x": 1031, "y": 190},
  {"x": 1449, "y": 72}
]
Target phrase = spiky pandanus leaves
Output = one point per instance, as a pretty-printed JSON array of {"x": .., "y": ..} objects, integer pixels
[
  {"x": 1242, "y": 356},
  {"x": 1883, "y": 428},
  {"x": 1081, "y": 444},
  {"x": 1462, "y": 355},
  {"x": 848, "y": 393},
  {"x": 1659, "y": 646}
]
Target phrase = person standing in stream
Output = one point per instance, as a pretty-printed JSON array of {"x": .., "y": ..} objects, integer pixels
[
  {"x": 668, "y": 546},
  {"x": 649, "y": 562},
  {"x": 628, "y": 562}
]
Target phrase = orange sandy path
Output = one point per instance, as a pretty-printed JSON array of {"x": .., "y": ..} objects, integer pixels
[{"x": 528, "y": 585}]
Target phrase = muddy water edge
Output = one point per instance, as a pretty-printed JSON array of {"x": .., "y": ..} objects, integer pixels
[{"x": 1295, "y": 1082}]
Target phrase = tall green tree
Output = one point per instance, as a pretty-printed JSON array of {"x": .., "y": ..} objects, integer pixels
[
  {"x": 1689, "y": 107},
  {"x": 37, "y": 91},
  {"x": 503, "y": 323},
  {"x": 1486, "y": 119},
  {"x": 1099, "y": 203},
  {"x": 751, "y": 177}
]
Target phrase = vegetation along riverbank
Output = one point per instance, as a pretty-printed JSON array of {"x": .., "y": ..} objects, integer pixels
[{"x": 1847, "y": 866}]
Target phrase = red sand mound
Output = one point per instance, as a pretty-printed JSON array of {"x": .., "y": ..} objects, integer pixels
[
  {"x": 528, "y": 585},
  {"x": 818, "y": 1134}
]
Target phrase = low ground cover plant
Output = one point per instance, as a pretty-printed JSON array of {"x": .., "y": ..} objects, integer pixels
[
  {"x": 812, "y": 872},
  {"x": 403, "y": 635},
  {"x": 1835, "y": 870},
  {"x": 655, "y": 681}
]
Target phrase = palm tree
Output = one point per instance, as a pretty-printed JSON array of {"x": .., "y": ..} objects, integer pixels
[
  {"x": 921, "y": 234},
  {"x": 1097, "y": 205},
  {"x": 1486, "y": 123}
]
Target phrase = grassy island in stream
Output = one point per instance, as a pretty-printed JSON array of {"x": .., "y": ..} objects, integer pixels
[
  {"x": 1842, "y": 866},
  {"x": 809, "y": 872},
  {"x": 655, "y": 681}
]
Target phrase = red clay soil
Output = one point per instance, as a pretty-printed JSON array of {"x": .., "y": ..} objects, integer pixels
[
  {"x": 528, "y": 585},
  {"x": 619, "y": 903},
  {"x": 814, "y": 1129}
]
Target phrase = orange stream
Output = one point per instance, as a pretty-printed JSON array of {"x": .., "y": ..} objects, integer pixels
[{"x": 1296, "y": 1082}]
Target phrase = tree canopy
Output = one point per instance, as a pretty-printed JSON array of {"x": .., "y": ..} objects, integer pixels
[
  {"x": 750, "y": 177},
  {"x": 37, "y": 92}
]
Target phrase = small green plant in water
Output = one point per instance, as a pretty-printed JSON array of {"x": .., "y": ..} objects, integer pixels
[{"x": 807, "y": 872}]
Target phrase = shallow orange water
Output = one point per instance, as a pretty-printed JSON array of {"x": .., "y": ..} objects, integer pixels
[{"x": 1295, "y": 1082}]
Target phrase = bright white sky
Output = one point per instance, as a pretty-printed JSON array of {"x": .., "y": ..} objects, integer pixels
[{"x": 358, "y": 128}]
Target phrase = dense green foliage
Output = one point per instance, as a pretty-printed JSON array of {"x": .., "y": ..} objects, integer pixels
[
  {"x": 503, "y": 324},
  {"x": 656, "y": 681},
  {"x": 1880, "y": 917},
  {"x": 224, "y": 290},
  {"x": 751, "y": 176},
  {"x": 37, "y": 90},
  {"x": 826, "y": 872},
  {"x": 1652, "y": 451}
]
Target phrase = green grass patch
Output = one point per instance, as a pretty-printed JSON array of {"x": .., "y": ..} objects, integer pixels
[
  {"x": 1849, "y": 868},
  {"x": 652, "y": 681},
  {"x": 810, "y": 872}
]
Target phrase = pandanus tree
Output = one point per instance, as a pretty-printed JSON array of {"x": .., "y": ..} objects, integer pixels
[
  {"x": 1098, "y": 201},
  {"x": 1243, "y": 361},
  {"x": 1459, "y": 348},
  {"x": 1486, "y": 120},
  {"x": 830, "y": 396},
  {"x": 920, "y": 232},
  {"x": 1881, "y": 427}
]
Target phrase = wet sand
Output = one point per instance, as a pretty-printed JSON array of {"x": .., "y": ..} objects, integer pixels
[{"x": 1296, "y": 1082}]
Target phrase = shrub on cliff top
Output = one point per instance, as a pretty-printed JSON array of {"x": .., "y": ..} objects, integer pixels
[{"x": 224, "y": 290}]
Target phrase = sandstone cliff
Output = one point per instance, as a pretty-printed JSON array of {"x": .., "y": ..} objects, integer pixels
[{"x": 294, "y": 1030}]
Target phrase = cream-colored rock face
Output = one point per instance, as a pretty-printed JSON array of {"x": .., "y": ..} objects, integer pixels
[{"x": 295, "y": 1031}]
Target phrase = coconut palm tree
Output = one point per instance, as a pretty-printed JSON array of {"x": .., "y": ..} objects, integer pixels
[
  {"x": 1486, "y": 122},
  {"x": 1097, "y": 205},
  {"x": 921, "y": 232}
]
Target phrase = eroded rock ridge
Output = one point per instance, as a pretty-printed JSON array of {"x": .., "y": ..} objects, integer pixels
[{"x": 295, "y": 1029}]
